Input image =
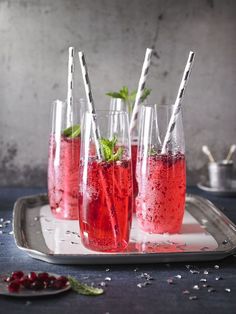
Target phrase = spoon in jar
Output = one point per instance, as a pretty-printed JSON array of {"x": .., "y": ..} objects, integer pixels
[
  {"x": 230, "y": 153},
  {"x": 206, "y": 151}
]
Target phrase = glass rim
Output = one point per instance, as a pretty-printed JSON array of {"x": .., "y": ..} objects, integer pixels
[
  {"x": 159, "y": 105},
  {"x": 106, "y": 112}
]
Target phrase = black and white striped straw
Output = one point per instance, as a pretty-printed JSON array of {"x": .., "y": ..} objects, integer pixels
[
  {"x": 141, "y": 86},
  {"x": 91, "y": 106},
  {"x": 178, "y": 101},
  {"x": 70, "y": 83}
]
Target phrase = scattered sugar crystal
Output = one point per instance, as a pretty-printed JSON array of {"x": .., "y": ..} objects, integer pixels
[
  {"x": 227, "y": 289},
  {"x": 143, "y": 284},
  {"x": 103, "y": 284},
  {"x": 206, "y": 272},
  {"x": 193, "y": 297},
  {"x": 186, "y": 292},
  {"x": 107, "y": 279},
  {"x": 194, "y": 271},
  {"x": 178, "y": 276},
  {"x": 211, "y": 290},
  {"x": 146, "y": 276},
  {"x": 216, "y": 266},
  {"x": 219, "y": 278},
  {"x": 170, "y": 281},
  {"x": 203, "y": 280},
  {"x": 107, "y": 269},
  {"x": 196, "y": 287},
  {"x": 27, "y": 303}
]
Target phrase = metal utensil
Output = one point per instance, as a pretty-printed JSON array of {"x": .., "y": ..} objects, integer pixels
[
  {"x": 230, "y": 153},
  {"x": 206, "y": 151}
]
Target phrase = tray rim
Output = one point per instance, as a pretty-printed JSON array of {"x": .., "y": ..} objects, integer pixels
[
  {"x": 203, "y": 186},
  {"x": 120, "y": 258}
]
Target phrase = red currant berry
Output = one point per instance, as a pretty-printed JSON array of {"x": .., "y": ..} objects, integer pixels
[
  {"x": 13, "y": 287},
  {"x": 58, "y": 284},
  {"x": 32, "y": 276},
  {"x": 17, "y": 274},
  {"x": 37, "y": 284},
  {"x": 25, "y": 282},
  {"x": 51, "y": 281},
  {"x": 43, "y": 276},
  {"x": 63, "y": 279}
]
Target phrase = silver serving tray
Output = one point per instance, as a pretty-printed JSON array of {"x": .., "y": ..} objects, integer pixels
[{"x": 207, "y": 234}]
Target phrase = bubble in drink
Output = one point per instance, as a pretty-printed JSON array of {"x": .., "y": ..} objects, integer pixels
[
  {"x": 134, "y": 150},
  {"x": 161, "y": 198},
  {"x": 63, "y": 177},
  {"x": 106, "y": 213}
]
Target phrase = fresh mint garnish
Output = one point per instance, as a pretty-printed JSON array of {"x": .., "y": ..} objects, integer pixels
[
  {"x": 84, "y": 289},
  {"x": 73, "y": 131},
  {"x": 152, "y": 152},
  {"x": 108, "y": 149},
  {"x": 146, "y": 93},
  {"x": 129, "y": 97}
]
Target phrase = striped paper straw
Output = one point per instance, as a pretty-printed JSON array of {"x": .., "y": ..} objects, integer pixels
[
  {"x": 91, "y": 107},
  {"x": 141, "y": 86},
  {"x": 178, "y": 101},
  {"x": 70, "y": 85}
]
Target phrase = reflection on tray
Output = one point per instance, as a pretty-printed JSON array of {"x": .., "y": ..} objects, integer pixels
[{"x": 62, "y": 237}]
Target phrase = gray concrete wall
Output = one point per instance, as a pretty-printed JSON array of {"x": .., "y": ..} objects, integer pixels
[{"x": 35, "y": 35}]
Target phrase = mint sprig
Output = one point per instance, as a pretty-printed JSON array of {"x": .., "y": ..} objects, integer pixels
[
  {"x": 73, "y": 131},
  {"x": 152, "y": 152},
  {"x": 84, "y": 289},
  {"x": 108, "y": 149},
  {"x": 129, "y": 97}
]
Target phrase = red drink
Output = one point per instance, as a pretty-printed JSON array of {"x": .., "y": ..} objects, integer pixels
[
  {"x": 106, "y": 210},
  {"x": 63, "y": 176},
  {"x": 134, "y": 150},
  {"x": 161, "y": 199}
]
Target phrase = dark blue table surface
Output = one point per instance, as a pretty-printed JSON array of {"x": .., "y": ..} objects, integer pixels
[{"x": 122, "y": 294}]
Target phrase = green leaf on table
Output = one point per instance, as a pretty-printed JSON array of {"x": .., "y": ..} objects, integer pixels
[
  {"x": 73, "y": 131},
  {"x": 84, "y": 289}
]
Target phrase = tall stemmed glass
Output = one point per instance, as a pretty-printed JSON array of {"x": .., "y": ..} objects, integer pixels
[
  {"x": 161, "y": 176},
  {"x": 106, "y": 184}
]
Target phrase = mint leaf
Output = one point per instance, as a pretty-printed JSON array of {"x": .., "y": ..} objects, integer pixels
[
  {"x": 108, "y": 149},
  {"x": 124, "y": 92},
  {"x": 152, "y": 151},
  {"x": 117, "y": 156},
  {"x": 114, "y": 95},
  {"x": 146, "y": 93},
  {"x": 129, "y": 98},
  {"x": 73, "y": 131},
  {"x": 82, "y": 288}
]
